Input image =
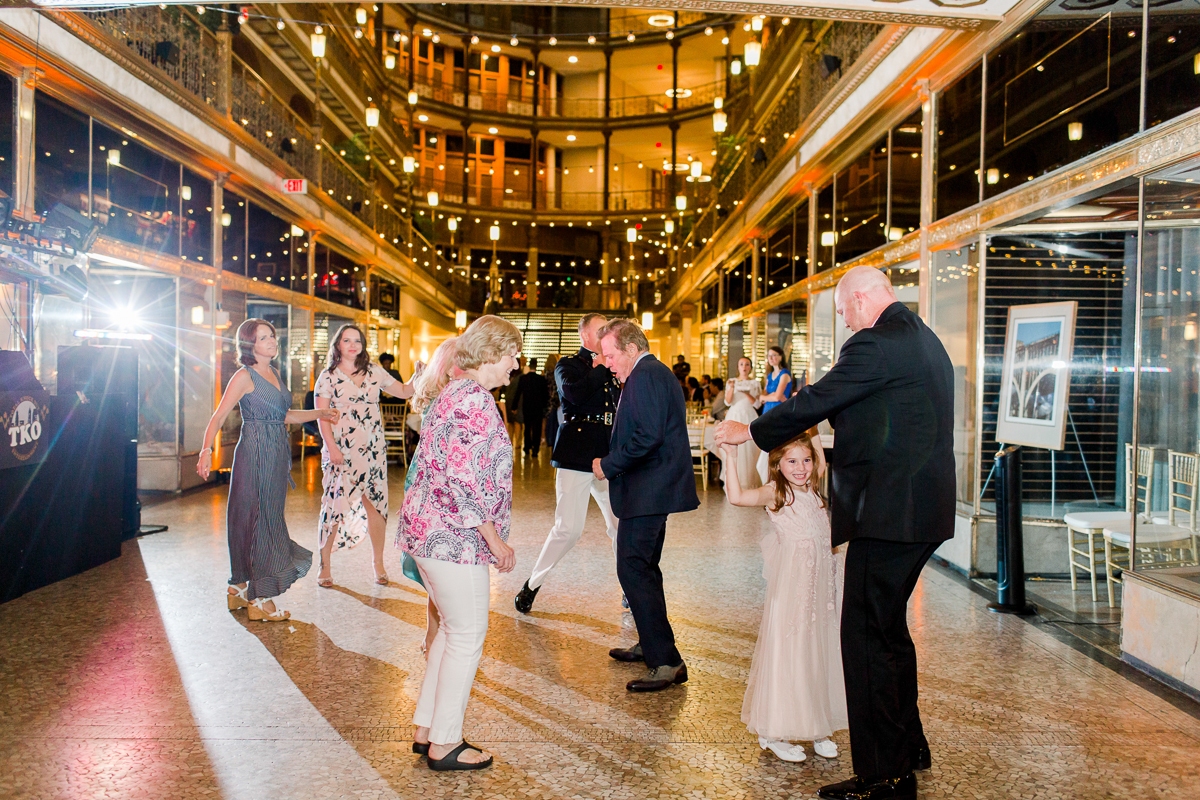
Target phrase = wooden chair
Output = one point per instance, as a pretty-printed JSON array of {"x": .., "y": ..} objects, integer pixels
[
  {"x": 394, "y": 417},
  {"x": 697, "y": 429}
]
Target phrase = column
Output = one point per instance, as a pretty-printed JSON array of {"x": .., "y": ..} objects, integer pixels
[
  {"x": 225, "y": 67},
  {"x": 404, "y": 355},
  {"x": 755, "y": 293},
  {"x": 533, "y": 140},
  {"x": 311, "y": 260},
  {"x": 26, "y": 124},
  {"x": 673, "y": 180},
  {"x": 687, "y": 310},
  {"x": 605, "y": 273},
  {"x": 531, "y": 272},
  {"x": 604, "y": 169},
  {"x": 218, "y": 192},
  {"x": 928, "y": 195},
  {"x": 468, "y": 149}
]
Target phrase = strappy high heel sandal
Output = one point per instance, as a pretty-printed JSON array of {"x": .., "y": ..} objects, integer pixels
[
  {"x": 259, "y": 614},
  {"x": 324, "y": 583},
  {"x": 381, "y": 578},
  {"x": 237, "y": 598}
]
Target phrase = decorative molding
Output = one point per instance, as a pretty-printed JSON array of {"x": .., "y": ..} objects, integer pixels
[
  {"x": 952, "y": 229},
  {"x": 881, "y": 50},
  {"x": 804, "y": 12}
]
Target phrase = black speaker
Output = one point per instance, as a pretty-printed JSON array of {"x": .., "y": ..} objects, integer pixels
[
  {"x": 66, "y": 225},
  {"x": 108, "y": 377},
  {"x": 829, "y": 65},
  {"x": 16, "y": 375}
]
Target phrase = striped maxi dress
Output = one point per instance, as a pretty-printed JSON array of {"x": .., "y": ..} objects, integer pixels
[{"x": 260, "y": 550}]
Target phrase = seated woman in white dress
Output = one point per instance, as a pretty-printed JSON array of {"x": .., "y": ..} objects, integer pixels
[{"x": 742, "y": 395}]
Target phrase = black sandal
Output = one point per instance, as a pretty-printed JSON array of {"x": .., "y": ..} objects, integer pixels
[
  {"x": 421, "y": 748},
  {"x": 450, "y": 761}
]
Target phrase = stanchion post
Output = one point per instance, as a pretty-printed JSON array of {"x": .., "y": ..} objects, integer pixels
[{"x": 1010, "y": 549}]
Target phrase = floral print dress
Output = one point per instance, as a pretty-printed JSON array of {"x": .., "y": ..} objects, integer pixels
[
  {"x": 463, "y": 478},
  {"x": 359, "y": 435}
]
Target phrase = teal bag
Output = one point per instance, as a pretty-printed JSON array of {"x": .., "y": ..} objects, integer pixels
[{"x": 407, "y": 565}]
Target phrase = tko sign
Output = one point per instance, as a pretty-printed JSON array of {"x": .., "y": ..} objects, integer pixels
[{"x": 23, "y": 421}]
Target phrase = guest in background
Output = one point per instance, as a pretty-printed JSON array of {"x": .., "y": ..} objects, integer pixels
[
  {"x": 262, "y": 556},
  {"x": 552, "y": 421},
  {"x": 532, "y": 397},
  {"x": 695, "y": 393},
  {"x": 354, "y": 456},
  {"x": 719, "y": 406},
  {"x": 454, "y": 523},
  {"x": 387, "y": 361},
  {"x": 779, "y": 380},
  {"x": 742, "y": 395},
  {"x": 512, "y": 412},
  {"x": 681, "y": 368}
]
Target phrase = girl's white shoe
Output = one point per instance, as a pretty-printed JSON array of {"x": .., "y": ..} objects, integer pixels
[
  {"x": 825, "y": 748},
  {"x": 785, "y": 750}
]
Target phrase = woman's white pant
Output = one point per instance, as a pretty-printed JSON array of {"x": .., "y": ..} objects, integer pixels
[{"x": 461, "y": 594}]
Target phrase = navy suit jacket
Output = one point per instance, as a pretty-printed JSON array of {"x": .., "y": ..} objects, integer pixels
[
  {"x": 649, "y": 462},
  {"x": 890, "y": 399}
]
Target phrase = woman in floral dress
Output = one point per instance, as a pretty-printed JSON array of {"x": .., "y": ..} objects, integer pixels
[{"x": 354, "y": 456}]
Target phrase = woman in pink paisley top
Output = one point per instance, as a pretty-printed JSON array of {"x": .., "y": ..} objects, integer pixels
[{"x": 454, "y": 523}]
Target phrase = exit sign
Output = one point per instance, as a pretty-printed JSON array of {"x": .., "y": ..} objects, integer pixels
[{"x": 295, "y": 186}]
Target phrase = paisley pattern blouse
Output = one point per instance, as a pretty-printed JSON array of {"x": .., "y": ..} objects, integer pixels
[
  {"x": 359, "y": 435},
  {"x": 463, "y": 478}
]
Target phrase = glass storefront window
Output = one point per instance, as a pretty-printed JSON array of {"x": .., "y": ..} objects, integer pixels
[
  {"x": 958, "y": 110},
  {"x": 134, "y": 190},
  {"x": 786, "y": 258},
  {"x": 233, "y": 233},
  {"x": 145, "y": 305},
  {"x": 1088, "y": 267},
  {"x": 1172, "y": 62},
  {"x": 862, "y": 204},
  {"x": 954, "y": 318},
  {"x": 339, "y": 279},
  {"x": 1065, "y": 86},
  {"x": 1168, "y": 417},
  {"x": 8, "y": 125},
  {"x": 904, "y": 177},
  {"x": 826, "y": 230},
  {"x": 195, "y": 218},
  {"x": 61, "y": 168},
  {"x": 270, "y": 258}
]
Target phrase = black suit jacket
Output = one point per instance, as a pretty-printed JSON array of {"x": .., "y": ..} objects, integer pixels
[
  {"x": 532, "y": 395},
  {"x": 649, "y": 464},
  {"x": 584, "y": 391},
  {"x": 890, "y": 399}
]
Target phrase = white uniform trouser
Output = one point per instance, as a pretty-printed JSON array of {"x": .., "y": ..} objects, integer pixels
[
  {"x": 572, "y": 488},
  {"x": 461, "y": 594}
]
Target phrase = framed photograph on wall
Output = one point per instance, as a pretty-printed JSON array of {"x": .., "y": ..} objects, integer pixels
[{"x": 1037, "y": 375}]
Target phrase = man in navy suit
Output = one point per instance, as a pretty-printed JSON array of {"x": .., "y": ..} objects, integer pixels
[{"x": 649, "y": 469}]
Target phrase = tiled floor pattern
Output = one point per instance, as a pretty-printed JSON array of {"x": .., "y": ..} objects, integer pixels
[{"x": 133, "y": 681}]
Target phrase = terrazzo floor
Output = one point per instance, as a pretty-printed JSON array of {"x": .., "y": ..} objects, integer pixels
[{"x": 134, "y": 681}]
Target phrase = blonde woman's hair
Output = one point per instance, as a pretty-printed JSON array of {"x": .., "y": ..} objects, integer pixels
[
  {"x": 784, "y": 495},
  {"x": 486, "y": 341},
  {"x": 436, "y": 375}
]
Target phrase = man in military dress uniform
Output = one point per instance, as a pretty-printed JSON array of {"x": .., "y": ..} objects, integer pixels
[{"x": 588, "y": 393}]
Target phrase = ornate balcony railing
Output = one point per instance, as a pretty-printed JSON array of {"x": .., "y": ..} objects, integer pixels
[
  {"x": 453, "y": 93},
  {"x": 181, "y": 48},
  {"x": 743, "y": 159},
  {"x": 172, "y": 41}
]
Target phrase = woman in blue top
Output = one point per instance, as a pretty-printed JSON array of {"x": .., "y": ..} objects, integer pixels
[{"x": 779, "y": 380}]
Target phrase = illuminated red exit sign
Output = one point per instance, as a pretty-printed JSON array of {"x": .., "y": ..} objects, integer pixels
[{"x": 295, "y": 186}]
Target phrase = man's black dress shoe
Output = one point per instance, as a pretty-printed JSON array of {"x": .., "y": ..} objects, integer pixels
[
  {"x": 630, "y": 655},
  {"x": 659, "y": 678},
  {"x": 921, "y": 759},
  {"x": 524, "y": 601},
  {"x": 883, "y": 789}
]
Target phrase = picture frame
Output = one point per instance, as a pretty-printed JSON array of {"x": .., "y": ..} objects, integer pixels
[{"x": 1036, "y": 381}]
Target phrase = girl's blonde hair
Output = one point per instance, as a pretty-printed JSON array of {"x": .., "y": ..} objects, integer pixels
[
  {"x": 486, "y": 341},
  {"x": 436, "y": 375},
  {"x": 784, "y": 495}
]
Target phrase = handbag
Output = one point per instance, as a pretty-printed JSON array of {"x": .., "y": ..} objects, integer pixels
[{"x": 408, "y": 566}]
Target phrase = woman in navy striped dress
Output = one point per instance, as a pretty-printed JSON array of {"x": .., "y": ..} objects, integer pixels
[{"x": 263, "y": 558}]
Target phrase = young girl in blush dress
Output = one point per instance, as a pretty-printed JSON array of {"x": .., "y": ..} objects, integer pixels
[{"x": 795, "y": 691}]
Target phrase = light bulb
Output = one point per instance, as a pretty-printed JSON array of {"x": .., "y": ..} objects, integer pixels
[
  {"x": 753, "y": 51},
  {"x": 735, "y": 67},
  {"x": 412, "y": 97},
  {"x": 360, "y": 15},
  {"x": 317, "y": 42},
  {"x": 720, "y": 122}
]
